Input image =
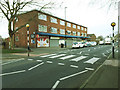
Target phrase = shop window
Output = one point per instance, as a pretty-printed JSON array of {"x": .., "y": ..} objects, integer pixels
[
  {"x": 53, "y": 20},
  {"x": 42, "y": 28},
  {"x": 78, "y": 33},
  {"x": 16, "y": 38},
  {"x": 69, "y": 32},
  {"x": 62, "y": 31},
  {"x": 69, "y": 24},
  {"x": 74, "y": 33},
  {"x": 53, "y": 30},
  {"x": 62, "y": 22},
  {"x": 42, "y": 16}
]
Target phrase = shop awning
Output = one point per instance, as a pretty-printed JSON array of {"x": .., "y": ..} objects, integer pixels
[{"x": 59, "y": 35}]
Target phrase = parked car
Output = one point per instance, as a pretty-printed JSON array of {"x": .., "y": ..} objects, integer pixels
[
  {"x": 77, "y": 44},
  {"x": 87, "y": 44},
  {"x": 101, "y": 42},
  {"x": 93, "y": 43}
]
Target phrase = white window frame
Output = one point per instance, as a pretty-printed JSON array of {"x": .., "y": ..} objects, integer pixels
[
  {"x": 74, "y": 26},
  {"x": 42, "y": 28},
  {"x": 62, "y": 22},
  {"x": 53, "y": 20},
  {"x": 53, "y": 30},
  {"x": 74, "y": 33},
  {"x": 62, "y": 31},
  {"x": 42, "y": 16},
  {"x": 69, "y": 24}
]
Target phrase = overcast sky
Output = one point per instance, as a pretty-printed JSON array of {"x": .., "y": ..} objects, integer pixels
[{"x": 97, "y": 20}]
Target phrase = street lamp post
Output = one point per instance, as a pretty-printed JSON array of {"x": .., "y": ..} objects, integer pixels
[
  {"x": 27, "y": 26},
  {"x": 113, "y": 25},
  {"x": 65, "y": 29}
]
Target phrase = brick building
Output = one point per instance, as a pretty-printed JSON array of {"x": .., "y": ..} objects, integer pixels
[
  {"x": 92, "y": 37},
  {"x": 51, "y": 31}
]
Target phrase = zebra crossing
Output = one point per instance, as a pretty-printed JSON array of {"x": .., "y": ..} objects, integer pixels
[{"x": 71, "y": 58}]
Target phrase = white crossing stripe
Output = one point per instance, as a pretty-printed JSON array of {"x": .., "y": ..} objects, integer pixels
[
  {"x": 57, "y": 56},
  {"x": 61, "y": 64},
  {"x": 89, "y": 69},
  {"x": 66, "y": 57},
  {"x": 92, "y": 60},
  {"x": 48, "y": 55},
  {"x": 49, "y": 61},
  {"x": 74, "y": 66},
  {"x": 78, "y": 58},
  {"x": 39, "y": 60},
  {"x": 30, "y": 59}
]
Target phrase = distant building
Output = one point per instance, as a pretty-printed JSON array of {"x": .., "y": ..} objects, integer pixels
[
  {"x": 47, "y": 30},
  {"x": 92, "y": 37}
]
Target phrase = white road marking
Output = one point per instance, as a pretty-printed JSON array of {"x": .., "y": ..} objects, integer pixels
[
  {"x": 73, "y": 75},
  {"x": 94, "y": 48},
  {"x": 92, "y": 60},
  {"x": 12, "y": 73},
  {"x": 49, "y": 61},
  {"x": 89, "y": 50},
  {"x": 30, "y": 59},
  {"x": 13, "y": 61},
  {"x": 104, "y": 55},
  {"x": 66, "y": 57},
  {"x": 35, "y": 66},
  {"x": 107, "y": 51},
  {"x": 61, "y": 64},
  {"x": 48, "y": 55},
  {"x": 39, "y": 60},
  {"x": 81, "y": 52},
  {"x": 94, "y": 55},
  {"x": 78, "y": 58},
  {"x": 55, "y": 85},
  {"x": 87, "y": 54},
  {"x": 73, "y": 66},
  {"x": 89, "y": 69},
  {"x": 57, "y": 56}
]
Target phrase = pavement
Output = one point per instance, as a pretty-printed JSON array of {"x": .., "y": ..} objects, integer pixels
[{"x": 105, "y": 76}]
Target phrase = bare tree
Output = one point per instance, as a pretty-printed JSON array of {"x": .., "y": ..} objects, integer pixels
[
  {"x": 110, "y": 4},
  {"x": 12, "y": 8}
]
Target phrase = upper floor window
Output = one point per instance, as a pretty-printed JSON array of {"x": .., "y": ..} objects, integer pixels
[
  {"x": 42, "y": 16},
  {"x": 81, "y": 28},
  {"x": 69, "y": 24},
  {"x": 78, "y": 33},
  {"x": 53, "y": 20},
  {"x": 74, "y": 33},
  {"x": 85, "y": 29},
  {"x": 78, "y": 27},
  {"x": 62, "y": 22},
  {"x": 85, "y": 35},
  {"x": 16, "y": 38},
  {"x": 42, "y": 28},
  {"x": 82, "y": 34},
  {"x": 53, "y": 30},
  {"x": 74, "y": 26},
  {"x": 62, "y": 31},
  {"x": 68, "y": 32}
]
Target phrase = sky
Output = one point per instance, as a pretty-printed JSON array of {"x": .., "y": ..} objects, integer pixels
[{"x": 98, "y": 20}]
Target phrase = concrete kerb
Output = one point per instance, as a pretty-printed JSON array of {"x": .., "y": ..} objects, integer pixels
[{"x": 85, "y": 83}]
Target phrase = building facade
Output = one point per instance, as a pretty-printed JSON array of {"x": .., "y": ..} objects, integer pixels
[{"x": 46, "y": 30}]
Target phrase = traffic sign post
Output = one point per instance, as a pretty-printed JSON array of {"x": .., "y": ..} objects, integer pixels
[{"x": 113, "y": 25}]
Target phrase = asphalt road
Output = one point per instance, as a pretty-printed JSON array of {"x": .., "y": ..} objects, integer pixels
[{"x": 65, "y": 69}]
